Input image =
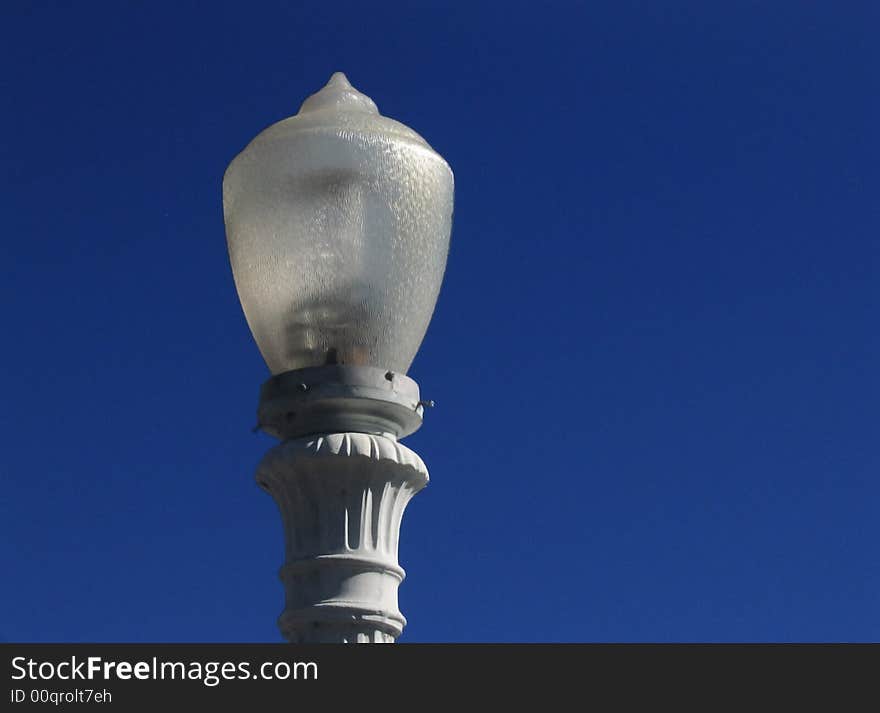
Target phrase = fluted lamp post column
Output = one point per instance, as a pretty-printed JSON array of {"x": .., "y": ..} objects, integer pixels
[{"x": 338, "y": 222}]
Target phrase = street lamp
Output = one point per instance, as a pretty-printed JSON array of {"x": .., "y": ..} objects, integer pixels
[{"x": 338, "y": 222}]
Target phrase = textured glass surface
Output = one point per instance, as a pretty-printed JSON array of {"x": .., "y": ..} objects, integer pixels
[{"x": 338, "y": 223}]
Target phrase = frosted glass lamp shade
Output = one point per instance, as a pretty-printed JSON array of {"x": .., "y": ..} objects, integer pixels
[{"x": 338, "y": 222}]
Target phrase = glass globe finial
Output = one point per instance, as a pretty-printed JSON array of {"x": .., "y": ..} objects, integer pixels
[{"x": 338, "y": 222}]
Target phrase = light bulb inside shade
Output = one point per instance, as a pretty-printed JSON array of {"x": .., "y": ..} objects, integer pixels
[{"x": 338, "y": 222}]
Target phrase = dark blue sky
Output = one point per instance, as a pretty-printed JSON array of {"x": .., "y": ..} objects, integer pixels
[{"x": 654, "y": 354}]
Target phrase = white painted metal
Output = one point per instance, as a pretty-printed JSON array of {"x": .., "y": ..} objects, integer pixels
[{"x": 342, "y": 498}]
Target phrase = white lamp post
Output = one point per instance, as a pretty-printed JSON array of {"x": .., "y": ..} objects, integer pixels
[{"x": 338, "y": 222}]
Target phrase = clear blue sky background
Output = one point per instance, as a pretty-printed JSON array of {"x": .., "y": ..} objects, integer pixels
[{"x": 654, "y": 355}]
